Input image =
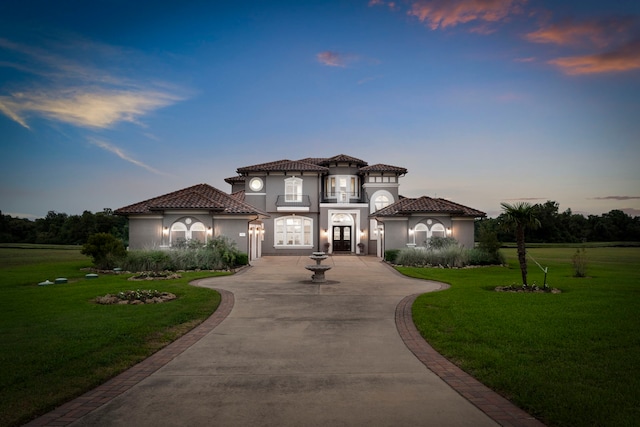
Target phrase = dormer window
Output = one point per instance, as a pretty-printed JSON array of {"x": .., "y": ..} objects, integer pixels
[{"x": 293, "y": 189}]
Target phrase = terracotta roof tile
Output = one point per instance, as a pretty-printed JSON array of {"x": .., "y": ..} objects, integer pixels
[
  {"x": 201, "y": 196},
  {"x": 383, "y": 168},
  {"x": 345, "y": 159},
  {"x": 283, "y": 166},
  {"x": 235, "y": 179},
  {"x": 239, "y": 195},
  {"x": 425, "y": 204},
  {"x": 313, "y": 160}
]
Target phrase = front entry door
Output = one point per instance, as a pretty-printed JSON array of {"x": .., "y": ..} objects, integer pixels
[{"x": 342, "y": 238}]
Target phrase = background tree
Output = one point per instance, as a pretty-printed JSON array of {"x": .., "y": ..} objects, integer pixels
[
  {"x": 519, "y": 217},
  {"x": 104, "y": 249}
]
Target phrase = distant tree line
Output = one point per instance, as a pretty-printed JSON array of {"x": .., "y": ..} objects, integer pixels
[
  {"x": 567, "y": 227},
  {"x": 556, "y": 227},
  {"x": 62, "y": 229}
]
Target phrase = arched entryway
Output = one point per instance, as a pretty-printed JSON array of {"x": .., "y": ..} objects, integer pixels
[{"x": 342, "y": 232}]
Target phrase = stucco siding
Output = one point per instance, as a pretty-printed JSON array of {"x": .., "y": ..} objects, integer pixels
[
  {"x": 463, "y": 232},
  {"x": 145, "y": 233}
]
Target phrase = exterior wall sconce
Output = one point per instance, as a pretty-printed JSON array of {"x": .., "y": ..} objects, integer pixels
[
  {"x": 209, "y": 231},
  {"x": 165, "y": 231},
  {"x": 448, "y": 231},
  {"x": 410, "y": 231}
]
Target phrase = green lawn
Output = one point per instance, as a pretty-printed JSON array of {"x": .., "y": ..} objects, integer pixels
[
  {"x": 570, "y": 359},
  {"x": 55, "y": 343}
]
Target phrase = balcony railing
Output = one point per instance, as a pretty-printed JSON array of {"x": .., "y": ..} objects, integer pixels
[
  {"x": 292, "y": 200},
  {"x": 343, "y": 197}
]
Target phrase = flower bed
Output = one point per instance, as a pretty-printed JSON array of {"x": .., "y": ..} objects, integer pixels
[{"x": 139, "y": 296}]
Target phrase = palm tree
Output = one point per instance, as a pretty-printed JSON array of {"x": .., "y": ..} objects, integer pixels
[{"x": 519, "y": 217}]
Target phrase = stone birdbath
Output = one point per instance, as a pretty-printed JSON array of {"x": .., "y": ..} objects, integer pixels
[{"x": 318, "y": 269}]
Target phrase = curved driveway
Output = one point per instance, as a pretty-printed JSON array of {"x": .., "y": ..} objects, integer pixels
[{"x": 292, "y": 353}]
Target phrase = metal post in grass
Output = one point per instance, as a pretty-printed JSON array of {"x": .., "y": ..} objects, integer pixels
[{"x": 545, "y": 269}]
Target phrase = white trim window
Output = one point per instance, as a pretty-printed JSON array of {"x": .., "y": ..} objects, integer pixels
[
  {"x": 422, "y": 234},
  {"x": 293, "y": 231},
  {"x": 342, "y": 187},
  {"x": 186, "y": 230},
  {"x": 293, "y": 189}
]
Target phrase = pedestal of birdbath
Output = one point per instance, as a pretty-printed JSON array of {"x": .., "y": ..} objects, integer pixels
[{"x": 318, "y": 269}]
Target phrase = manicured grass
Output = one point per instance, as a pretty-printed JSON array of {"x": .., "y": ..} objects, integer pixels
[
  {"x": 56, "y": 343},
  {"x": 570, "y": 359}
]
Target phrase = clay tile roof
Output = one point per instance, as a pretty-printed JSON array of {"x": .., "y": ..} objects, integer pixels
[
  {"x": 235, "y": 179},
  {"x": 201, "y": 196},
  {"x": 313, "y": 160},
  {"x": 407, "y": 206},
  {"x": 343, "y": 158},
  {"x": 383, "y": 168},
  {"x": 283, "y": 166},
  {"x": 239, "y": 195}
]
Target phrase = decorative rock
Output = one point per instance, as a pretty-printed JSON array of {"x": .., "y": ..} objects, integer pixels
[
  {"x": 61, "y": 280},
  {"x": 91, "y": 276},
  {"x": 45, "y": 283}
]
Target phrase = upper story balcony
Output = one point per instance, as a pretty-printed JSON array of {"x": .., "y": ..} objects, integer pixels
[
  {"x": 344, "y": 197},
  {"x": 293, "y": 203}
]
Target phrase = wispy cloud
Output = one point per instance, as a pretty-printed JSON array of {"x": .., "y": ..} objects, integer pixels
[
  {"x": 607, "y": 41},
  {"x": 600, "y": 33},
  {"x": 440, "y": 14},
  {"x": 390, "y": 4},
  {"x": 120, "y": 153},
  {"x": 623, "y": 58},
  {"x": 86, "y": 107},
  {"x": 617, "y": 198},
  {"x": 335, "y": 59},
  {"x": 71, "y": 90}
]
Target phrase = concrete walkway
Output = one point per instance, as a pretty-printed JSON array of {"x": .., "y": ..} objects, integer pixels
[{"x": 292, "y": 353}]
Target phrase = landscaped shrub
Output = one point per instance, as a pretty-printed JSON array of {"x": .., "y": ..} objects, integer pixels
[
  {"x": 478, "y": 256},
  {"x": 242, "y": 259},
  {"x": 390, "y": 255},
  {"x": 442, "y": 242},
  {"x": 219, "y": 254},
  {"x": 448, "y": 255},
  {"x": 104, "y": 249}
]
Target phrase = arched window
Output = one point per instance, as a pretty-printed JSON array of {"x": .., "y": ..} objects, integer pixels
[
  {"x": 186, "y": 229},
  {"x": 437, "y": 230},
  {"x": 293, "y": 231},
  {"x": 178, "y": 233},
  {"x": 293, "y": 189},
  {"x": 421, "y": 235},
  {"x": 198, "y": 232},
  {"x": 380, "y": 199}
]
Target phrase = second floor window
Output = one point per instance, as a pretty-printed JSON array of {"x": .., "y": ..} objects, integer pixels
[
  {"x": 342, "y": 187},
  {"x": 293, "y": 189}
]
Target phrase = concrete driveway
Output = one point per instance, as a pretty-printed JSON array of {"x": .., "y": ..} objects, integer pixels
[{"x": 292, "y": 353}]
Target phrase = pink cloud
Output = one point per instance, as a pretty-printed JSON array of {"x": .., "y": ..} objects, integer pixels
[
  {"x": 331, "y": 59},
  {"x": 440, "y": 14},
  {"x": 599, "y": 33},
  {"x": 624, "y": 58}
]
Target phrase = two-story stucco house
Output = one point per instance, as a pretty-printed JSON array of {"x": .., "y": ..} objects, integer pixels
[{"x": 293, "y": 207}]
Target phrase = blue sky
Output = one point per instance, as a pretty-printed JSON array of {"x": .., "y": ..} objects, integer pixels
[{"x": 107, "y": 103}]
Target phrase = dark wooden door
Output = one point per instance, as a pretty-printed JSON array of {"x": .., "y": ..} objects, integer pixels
[{"x": 342, "y": 238}]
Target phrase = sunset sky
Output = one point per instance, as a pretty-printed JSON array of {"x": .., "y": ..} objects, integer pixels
[{"x": 108, "y": 103}]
